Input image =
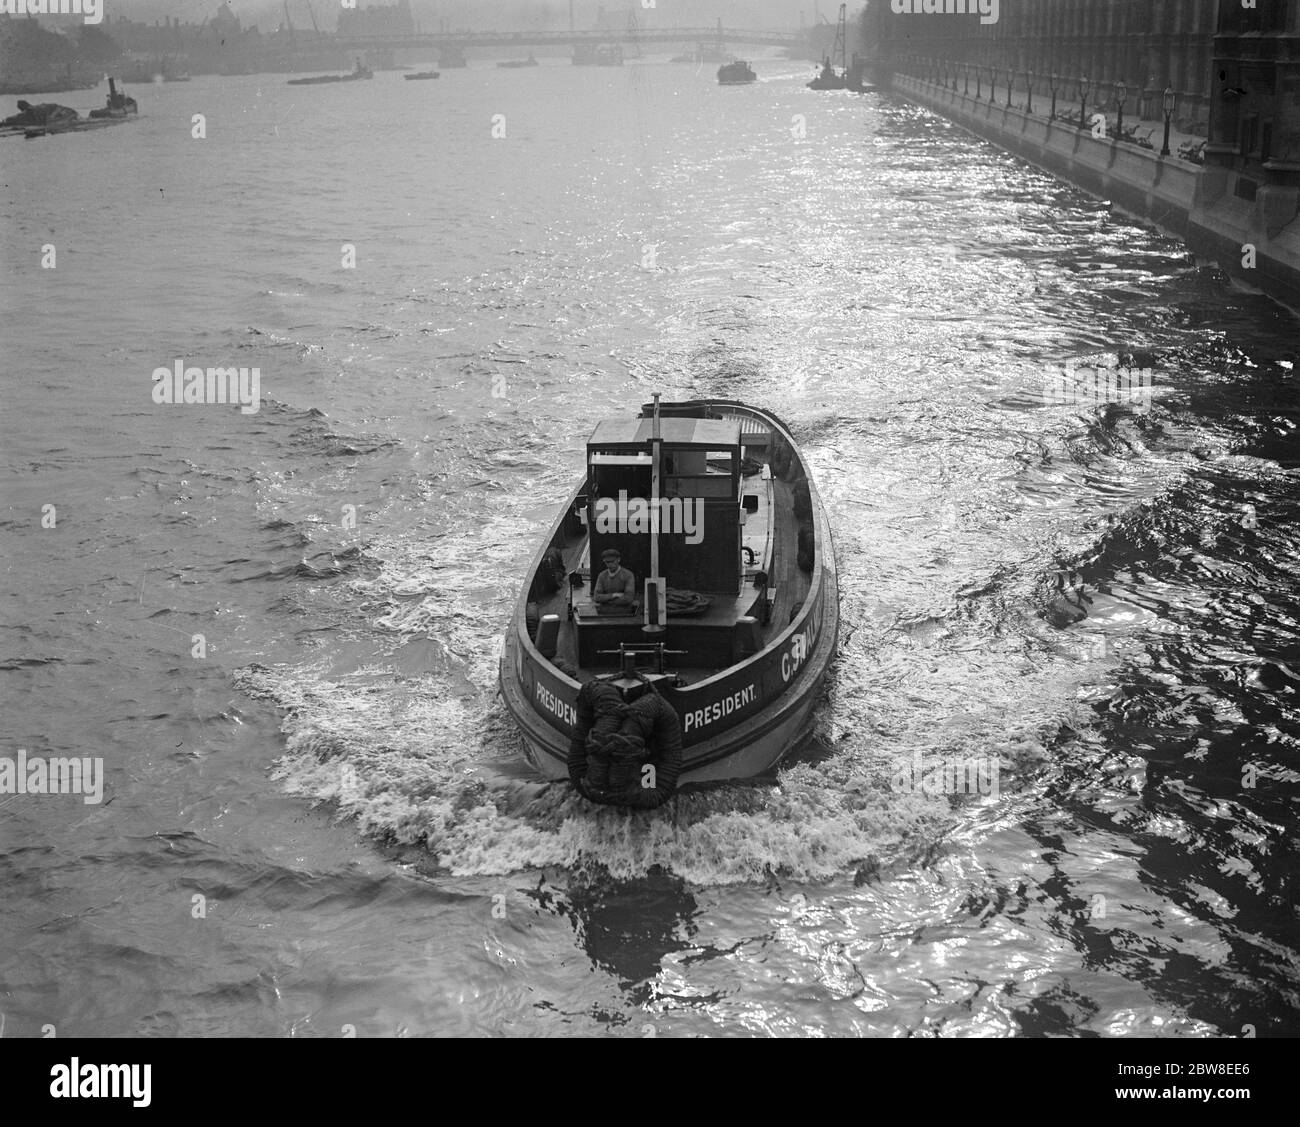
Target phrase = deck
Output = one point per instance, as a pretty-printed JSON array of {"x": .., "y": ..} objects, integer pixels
[{"x": 769, "y": 534}]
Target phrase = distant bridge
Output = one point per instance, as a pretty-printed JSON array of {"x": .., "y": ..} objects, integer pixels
[{"x": 507, "y": 39}]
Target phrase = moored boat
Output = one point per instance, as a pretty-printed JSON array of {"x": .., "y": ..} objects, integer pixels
[
  {"x": 845, "y": 77},
  {"x": 736, "y": 610},
  {"x": 739, "y": 73},
  {"x": 422, "y": 75}
]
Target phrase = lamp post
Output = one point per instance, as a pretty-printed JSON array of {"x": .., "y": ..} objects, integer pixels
[
  {"x": 1029, "y": 91},
  {"x": 979, "y": 89},
  {"x": 1170, "y": 99},
  {"x": 965, "y": 73},
  {"x": 993, "y": 83},
  {"x": 1084, "y": 86},
  {"x": 1121, "y": 96},
  {"x": 1011, "y": 81},
  {"x": 1056, "y": 85}
]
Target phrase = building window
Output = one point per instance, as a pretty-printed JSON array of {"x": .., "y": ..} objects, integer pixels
[{"x": 1249, "y": 135}]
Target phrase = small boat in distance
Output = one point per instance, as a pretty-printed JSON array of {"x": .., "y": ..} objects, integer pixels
[
  {"x": 735, "y": 617},
  {"x": 317, "y": 80},
  {"x": 739, "y": 73},
  {"x": 424, "y": 74},
  {"x": 515, "y": 64},
  {"x": 845, "y": 78}
]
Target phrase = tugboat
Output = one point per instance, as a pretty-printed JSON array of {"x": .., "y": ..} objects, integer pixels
[
  {"x": 119, "y": 105},
  {"x": 515, "y": 64},
  {"x": 704, "y": 510},
  {"x": 739, "y": 73},
  {"x": 357, "y": 74},
  {"x": 422, "y": 75}
]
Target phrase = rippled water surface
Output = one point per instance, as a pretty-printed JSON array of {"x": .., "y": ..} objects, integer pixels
[{"x": 326, "y": 820}]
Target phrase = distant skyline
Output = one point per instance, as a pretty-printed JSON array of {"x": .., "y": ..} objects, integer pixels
[{"x": 269, "y": 14}]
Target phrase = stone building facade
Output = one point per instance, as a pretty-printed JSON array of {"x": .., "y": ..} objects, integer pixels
[{"x": 1146, "y": 44}]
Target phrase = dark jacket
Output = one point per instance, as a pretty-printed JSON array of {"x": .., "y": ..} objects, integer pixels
[{"x": 654, "y": 718}]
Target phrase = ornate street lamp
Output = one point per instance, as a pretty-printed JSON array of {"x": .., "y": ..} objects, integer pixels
[
  {"x": 1029, "y": 91},
  {"x": 979, "y": 89},
  {"x": 1056, "y": 85},
  {"x": 1170, "y": 99},
  {"x": 1084, "y": 87},
  {"x": 1011, "y": 81},
  {"x": 1121, "y": 96},
  {"x": 993, "y": 83},
  {"x": 965, "y": 70}
]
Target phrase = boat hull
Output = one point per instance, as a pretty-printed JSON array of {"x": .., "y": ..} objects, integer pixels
[
  {"x": 753, "y": 748},
  {"x": 737, "y": 723}
]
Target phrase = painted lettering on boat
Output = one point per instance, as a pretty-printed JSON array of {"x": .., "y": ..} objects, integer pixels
[
  {"x": 720, "y": 708},
  {"x": 801, "y": 646},
  {"x": 561, "y": 709}
]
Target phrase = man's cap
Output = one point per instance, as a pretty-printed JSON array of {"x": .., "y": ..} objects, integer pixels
[{"x": 610, "y": 554}]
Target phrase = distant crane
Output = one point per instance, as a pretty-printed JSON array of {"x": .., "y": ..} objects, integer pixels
[
  {"x": 829, "y": 78},
  {"x": 288, "y": 21},
  {"x": 634, "y": 31},
  {"x": 841, "y": 45}
]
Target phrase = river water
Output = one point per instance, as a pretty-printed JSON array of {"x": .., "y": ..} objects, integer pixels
[{"x": 322, "y": 825}]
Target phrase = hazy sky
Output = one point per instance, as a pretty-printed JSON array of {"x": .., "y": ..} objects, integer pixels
[{"x": 268, "y": 14}]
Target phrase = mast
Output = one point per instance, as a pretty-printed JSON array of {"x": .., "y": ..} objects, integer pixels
[
  {"x": 841, "y": 38},
  {"x": 656, "y": 600}
]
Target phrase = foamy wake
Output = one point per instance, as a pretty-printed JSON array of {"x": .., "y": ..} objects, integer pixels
[
  {"x": 418, "y": 750},
  {"x": 413, "y": 761}
]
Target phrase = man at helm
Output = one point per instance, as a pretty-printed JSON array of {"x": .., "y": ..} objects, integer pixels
[{"x": 616, "y": 586}]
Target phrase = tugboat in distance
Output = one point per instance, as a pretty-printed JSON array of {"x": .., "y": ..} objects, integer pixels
[
  {"x": 48, "y": 117},
  {"x": 514, "y": 64},
  {"x": 119, "y": 105},
  {"x": 739, "y": 73},
  {"x": 318, "y": 80},
  {"x": 422, "y": 75}
]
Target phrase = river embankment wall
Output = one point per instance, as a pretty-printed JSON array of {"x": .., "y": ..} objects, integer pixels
[{"x": 1217, "y": 211}]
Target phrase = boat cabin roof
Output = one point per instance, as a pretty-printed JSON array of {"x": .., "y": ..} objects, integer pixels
[{"x": 712, "y": 434}]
